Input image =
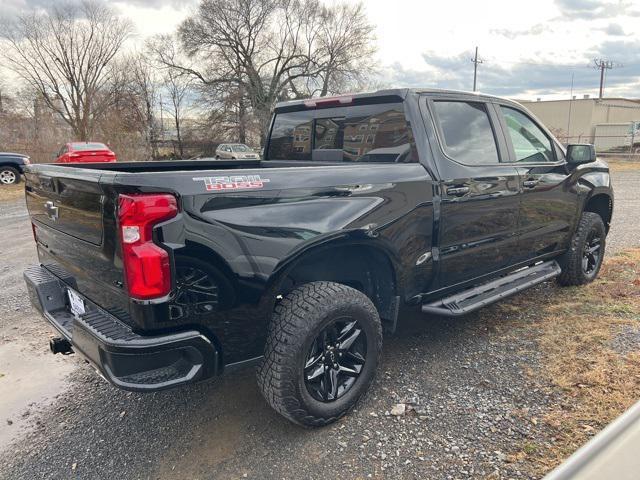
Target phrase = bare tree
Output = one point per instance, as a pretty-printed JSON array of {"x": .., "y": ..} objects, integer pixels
[
  {"x": 345, "y": 48},
  {"x": 66, "y": 54},
  {"x": 263, "y": 51},
  {"x": 143, "y": 88},
  {"x": 256, "y": 47},
  {"x": 178, "y": 86}
]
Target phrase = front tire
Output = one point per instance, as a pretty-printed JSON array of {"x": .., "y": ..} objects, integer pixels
[
  {"x": 9, "y": 176},
  {"x": 322, "y": 352},
  {"x": 582, "y": 262}
]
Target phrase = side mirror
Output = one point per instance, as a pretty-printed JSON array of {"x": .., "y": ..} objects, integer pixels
[{"x": 581, "y": 153}]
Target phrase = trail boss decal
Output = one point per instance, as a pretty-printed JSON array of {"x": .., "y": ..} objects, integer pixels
[{"x": 233, "y": 182}]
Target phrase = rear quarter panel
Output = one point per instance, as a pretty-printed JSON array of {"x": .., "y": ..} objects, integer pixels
[{"x": 253, "y": 236}]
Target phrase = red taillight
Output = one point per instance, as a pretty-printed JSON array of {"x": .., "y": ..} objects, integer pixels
[
  {"x": 35, "y": 234},
  {"x": 146, "y": 265}
]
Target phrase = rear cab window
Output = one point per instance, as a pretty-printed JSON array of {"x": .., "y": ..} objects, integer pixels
[{"x": 377, "y": 133}]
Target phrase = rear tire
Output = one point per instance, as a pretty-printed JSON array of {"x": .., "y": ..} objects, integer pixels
[
  {"x": 322, "y": 352},
  {"x": 9, "y": 176},
  {"x": 582, "y": 262}
]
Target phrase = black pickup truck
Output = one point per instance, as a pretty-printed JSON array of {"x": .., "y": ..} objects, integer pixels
[{"x": 166, "y": 273}]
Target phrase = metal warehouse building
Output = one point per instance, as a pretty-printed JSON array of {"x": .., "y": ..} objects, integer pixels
[{"x": 611, "y": 123}]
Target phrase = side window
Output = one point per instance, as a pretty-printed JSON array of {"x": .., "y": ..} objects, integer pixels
[
  {"x": 467, "y": 136},
  {"x": 291, "y": 136},
  {"x": 530, "y": 143}
]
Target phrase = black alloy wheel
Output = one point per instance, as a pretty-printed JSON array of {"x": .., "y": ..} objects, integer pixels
[
  {"x": 582, "y": 261},
  {"x": 335, "y": 360},
  {"x": 591, "y": 252},
  {"x": 199, "y": 289},
  {"x": 323, "y": 348}
]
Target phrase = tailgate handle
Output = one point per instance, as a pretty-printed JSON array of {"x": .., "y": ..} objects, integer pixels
[
  {"x": 52, "y": 210},
  {"x": 457, "y": 191}
]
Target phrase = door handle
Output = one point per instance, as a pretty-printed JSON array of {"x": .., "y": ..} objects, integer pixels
[
  {"x": 529, "y": 183},
  {"x": 457, "y": 191}
]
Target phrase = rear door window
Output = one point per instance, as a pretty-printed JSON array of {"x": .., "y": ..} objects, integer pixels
[
  {"x": 364, "y": 133},
  {"x": 466, "y": 133}
]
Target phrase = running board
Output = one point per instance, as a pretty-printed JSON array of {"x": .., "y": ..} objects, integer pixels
[{"x": 471, "y": 300}]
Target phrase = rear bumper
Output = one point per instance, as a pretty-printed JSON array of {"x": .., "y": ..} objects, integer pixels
[{"x": 128, "y": 360}]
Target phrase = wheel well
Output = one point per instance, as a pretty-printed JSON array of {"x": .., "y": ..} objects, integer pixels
[
  {"x": 366, "y": 269},
  {"x": 603, "y": 206}
]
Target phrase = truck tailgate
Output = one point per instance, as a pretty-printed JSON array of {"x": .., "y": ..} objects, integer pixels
[
  {"x": 74, "y": 226},
  {"x": 67, "y": 204}
]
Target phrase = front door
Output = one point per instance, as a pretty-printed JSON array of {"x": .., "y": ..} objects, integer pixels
[
  {"x": 549, "y": 198},
  {"x": 480, "y": 194}
]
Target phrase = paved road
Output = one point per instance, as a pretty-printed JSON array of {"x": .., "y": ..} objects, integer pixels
[{"x": 466, "y": 377}]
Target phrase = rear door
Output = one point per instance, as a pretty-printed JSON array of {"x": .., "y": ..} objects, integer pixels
[
  {"x": 549, "y": 200},
  {"x": 480, "y": 193}
]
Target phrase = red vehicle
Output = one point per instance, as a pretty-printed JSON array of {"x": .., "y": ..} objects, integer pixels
[{"x": 85, "y": 152}]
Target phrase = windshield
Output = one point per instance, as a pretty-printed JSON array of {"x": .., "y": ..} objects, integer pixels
[
  {"x": 240, "y": 148},
  {"x": 89, "y": 146}
]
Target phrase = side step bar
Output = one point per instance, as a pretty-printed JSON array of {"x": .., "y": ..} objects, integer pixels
[{"x": 471, "y": 300}]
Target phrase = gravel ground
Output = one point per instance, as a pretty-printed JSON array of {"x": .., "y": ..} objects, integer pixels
[
  {"x": 469, "y": 403},
  {"x": 625, "y": 227}
]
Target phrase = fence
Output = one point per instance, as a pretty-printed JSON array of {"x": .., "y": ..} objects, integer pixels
[{"x": 619, "y": 139}]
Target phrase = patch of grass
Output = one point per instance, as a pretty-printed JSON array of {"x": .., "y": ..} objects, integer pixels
[
  {"x": 595, "y": 382},
  {"x": 617, "y": 165},
  {"x": 11, "y": 192}
]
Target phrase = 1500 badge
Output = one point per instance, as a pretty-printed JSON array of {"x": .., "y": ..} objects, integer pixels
[{"x": 233, "y": 182}]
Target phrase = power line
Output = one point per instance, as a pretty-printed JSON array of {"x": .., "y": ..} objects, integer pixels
[{"x": 475, "y": 68}]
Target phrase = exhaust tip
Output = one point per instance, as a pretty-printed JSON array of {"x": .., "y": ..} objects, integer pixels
[{"x": 60, "y": 345}]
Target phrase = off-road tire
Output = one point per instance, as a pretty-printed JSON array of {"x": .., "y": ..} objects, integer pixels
[
  {"x": 571, "y": 262},
  {"x": 297, "y": 321},
  {"x": 7, "y": 172}
]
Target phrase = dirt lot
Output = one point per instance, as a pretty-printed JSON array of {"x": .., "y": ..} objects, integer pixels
[{"x": 504, "y": 393}]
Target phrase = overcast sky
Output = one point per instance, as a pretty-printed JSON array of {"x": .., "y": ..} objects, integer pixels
[{"x": 529, "y": 49}]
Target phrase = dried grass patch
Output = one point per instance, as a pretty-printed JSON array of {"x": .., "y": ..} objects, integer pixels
[
  {"x": 596, "y": 382},
  {"x": 616, "y": 165},
  {"x": 11, "y": 192}
]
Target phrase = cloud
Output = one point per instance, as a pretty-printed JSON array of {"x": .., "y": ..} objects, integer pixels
[
  {"x": 528, "y": 79},
  {"x": 595, "y": 9},
  {"x": 537, "y": 29},
  {"x": 9, "y": 8},
  {"x": 614, "y": 30}
]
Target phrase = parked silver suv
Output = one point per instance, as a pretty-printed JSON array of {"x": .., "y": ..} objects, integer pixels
[{"x": 235, "y": 151}]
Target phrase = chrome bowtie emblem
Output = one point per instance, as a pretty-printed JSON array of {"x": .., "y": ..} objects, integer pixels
[{"x": 52, "y": 210}]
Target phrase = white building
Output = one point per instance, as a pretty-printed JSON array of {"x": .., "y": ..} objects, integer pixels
[{"x": 610, "y": 123}]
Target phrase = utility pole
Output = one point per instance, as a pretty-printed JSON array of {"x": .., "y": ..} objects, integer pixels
[
  {"x": 475, "y": 62},
  {"x": 569, "y": 116},
  {"x": 603, "y": 65}
]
